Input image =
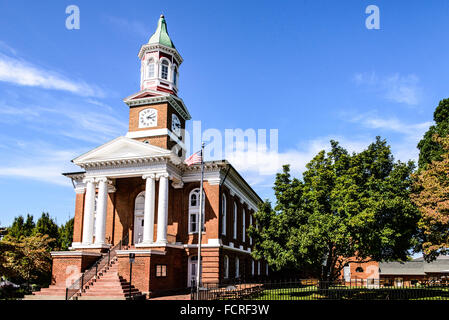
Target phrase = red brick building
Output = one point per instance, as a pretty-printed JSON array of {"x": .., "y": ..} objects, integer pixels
[{"x": 137, "y": 187}]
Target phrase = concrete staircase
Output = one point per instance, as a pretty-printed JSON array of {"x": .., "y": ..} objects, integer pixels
[
  {"x": 53, "y": 292},
  {"x": 109, "y": 286}
]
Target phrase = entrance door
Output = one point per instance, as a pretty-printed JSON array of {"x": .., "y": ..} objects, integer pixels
[
  {"x": 138, "y": 229},
  {"x": 193, "y": 268}
]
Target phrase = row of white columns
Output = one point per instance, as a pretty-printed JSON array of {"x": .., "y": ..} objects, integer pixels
[
  {"x": 101, "y": 210},
  {"x": 89, "y": 210},
  {"x": 162, "y": 212}
]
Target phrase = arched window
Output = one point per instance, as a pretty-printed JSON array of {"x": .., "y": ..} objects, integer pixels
[
  {"x": 359, "y": 269},
  {"x": 150, "y": 69},
  {"x": 164, "y": 69},
  {"x": 235, "y": 220},
  {"x": 226, "y": 267},
  {"x": 139, "y": 208},
  {"x": 243, "y": 225},
  {"x": 194, "y": 210},
  {"x": 237, "y": 267},
  {"x": 223, "y": 214},
  {"x": 175, "y": 76}
]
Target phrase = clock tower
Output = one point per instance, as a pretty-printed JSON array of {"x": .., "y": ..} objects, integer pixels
[{"x": 156, "y": 114}]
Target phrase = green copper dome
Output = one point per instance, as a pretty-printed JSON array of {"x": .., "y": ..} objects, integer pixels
[{"x": 161, "y": 35}]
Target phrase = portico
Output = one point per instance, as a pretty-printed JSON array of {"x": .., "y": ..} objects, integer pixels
[{"x": 107, "y": 164}]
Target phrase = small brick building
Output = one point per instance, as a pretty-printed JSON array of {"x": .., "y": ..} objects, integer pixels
[{"x": 137, "y": 187}]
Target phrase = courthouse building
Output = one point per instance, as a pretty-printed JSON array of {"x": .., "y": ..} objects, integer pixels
[{"x": 137, "y": 189}]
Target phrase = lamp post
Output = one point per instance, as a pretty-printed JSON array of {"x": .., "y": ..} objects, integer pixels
[{"x": 132, "y": 257}]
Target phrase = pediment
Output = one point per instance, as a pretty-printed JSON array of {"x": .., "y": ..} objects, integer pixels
[
  {"x": 147, "y": 93},
  {"x": 120, "y": 149}
]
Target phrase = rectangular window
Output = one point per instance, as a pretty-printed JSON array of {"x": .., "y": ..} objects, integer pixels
[
  {"x": 193, "y": 227},
  {"x": 161, "y": 270},
  {"x": 193, "y": 222},
  {"x": 151, "y": 70},
  {"x": 164, "y": 72}
]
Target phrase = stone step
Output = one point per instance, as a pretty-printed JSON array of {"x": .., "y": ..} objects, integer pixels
[
  {"x": 102, "y": 298},
  {"x": 44, "y": 297}
]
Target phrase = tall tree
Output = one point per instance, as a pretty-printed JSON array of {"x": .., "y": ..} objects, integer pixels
[
  {"x": 46, "y": 225},
  {"x": 431, "y": 196},
  {"x": 65, "y": 235},
  {"x": 428, "y": 147},
  {"x": 21, "y": 227},
  {"x": 346, "y": 208}
]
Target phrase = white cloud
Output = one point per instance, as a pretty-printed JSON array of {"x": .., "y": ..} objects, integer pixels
[
  {"x": 37, "y": 160},
  {"x": 22, "y": 73},
  {"x": 259, "y": 167},
  {"x": 394, "y": 87}
]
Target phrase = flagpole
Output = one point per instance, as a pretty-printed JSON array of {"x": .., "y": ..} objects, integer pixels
[{"x": 200, "y": 225}]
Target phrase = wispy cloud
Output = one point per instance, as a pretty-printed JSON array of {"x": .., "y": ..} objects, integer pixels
[
  {"x": 133, "y": 26},
  {"x": 411, "y": 130},
  {"x": 23, "y": 73},
  {"x": 36, "y": 160},
  {"x": 394, "y": 87}
]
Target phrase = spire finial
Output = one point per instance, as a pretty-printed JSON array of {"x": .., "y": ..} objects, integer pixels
[{"x": 162, "y": 16}]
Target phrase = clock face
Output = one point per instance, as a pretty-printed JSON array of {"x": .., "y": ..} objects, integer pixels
[
  {"x": 147, "y": 118},
  {"x": 175, "y": 125}
]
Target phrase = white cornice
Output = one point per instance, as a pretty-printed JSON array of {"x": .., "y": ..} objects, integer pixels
[
  {"x": 172, "y": 51},
  {"x": 182, "y": 110}
]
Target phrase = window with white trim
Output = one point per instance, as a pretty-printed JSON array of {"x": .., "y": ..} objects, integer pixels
[
  {"x": 226, "y": 267},
  {"x": 164, "y": 69},
  {"x": 194, "y": 210},
  {"x": 175, "y": 76},
  {"x": 150, "y": 69},
  {"x": 237, "y": 267},
  {"x": 243, "y": 225},
  {"x": 223, "y": 214},
  {"x": 235, "y": 220}
]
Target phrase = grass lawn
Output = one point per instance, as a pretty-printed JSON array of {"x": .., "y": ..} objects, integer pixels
[{"x": 353, "y": 293}]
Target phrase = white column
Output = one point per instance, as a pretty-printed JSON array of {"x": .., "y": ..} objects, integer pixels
[
  {"x": 162, "y": 210},
  {"x": 102, "y": 202},
  {"x": 148, "y": 227},
  {"x": 89, "y": 207}
]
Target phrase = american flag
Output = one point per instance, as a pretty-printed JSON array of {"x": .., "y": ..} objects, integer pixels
[{"x": 193, "y": 159}]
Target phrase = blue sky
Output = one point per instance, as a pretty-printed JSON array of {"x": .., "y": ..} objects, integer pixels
[{"x": 310, "y": 69}]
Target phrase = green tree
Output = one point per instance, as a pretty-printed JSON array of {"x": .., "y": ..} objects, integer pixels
[
  {"x": 46, "y": 225},
  {"x": 431, "y": 196},
  {"x": 346, "y": 208},
  {"x": 428, "y": 147},
  {"x": 65, "y": 235},
  {"x": 28, "y": 259},
  {"x": 21, "y": 227}
]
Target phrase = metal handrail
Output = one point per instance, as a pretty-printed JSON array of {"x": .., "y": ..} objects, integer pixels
[{"x": 93, "y": 271}]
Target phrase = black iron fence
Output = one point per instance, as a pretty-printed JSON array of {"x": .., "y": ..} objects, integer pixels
[
  {"x": 91, "y": 273},
  {"x": 355, "y": 289}
]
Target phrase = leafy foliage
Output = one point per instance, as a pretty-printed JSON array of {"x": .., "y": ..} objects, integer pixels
[
  {"x": 27, "y": 258},
  {"x": 431, "y": 196},
  {"x": 429, "y": 148},
  {"x": 346, "y": 206}
]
